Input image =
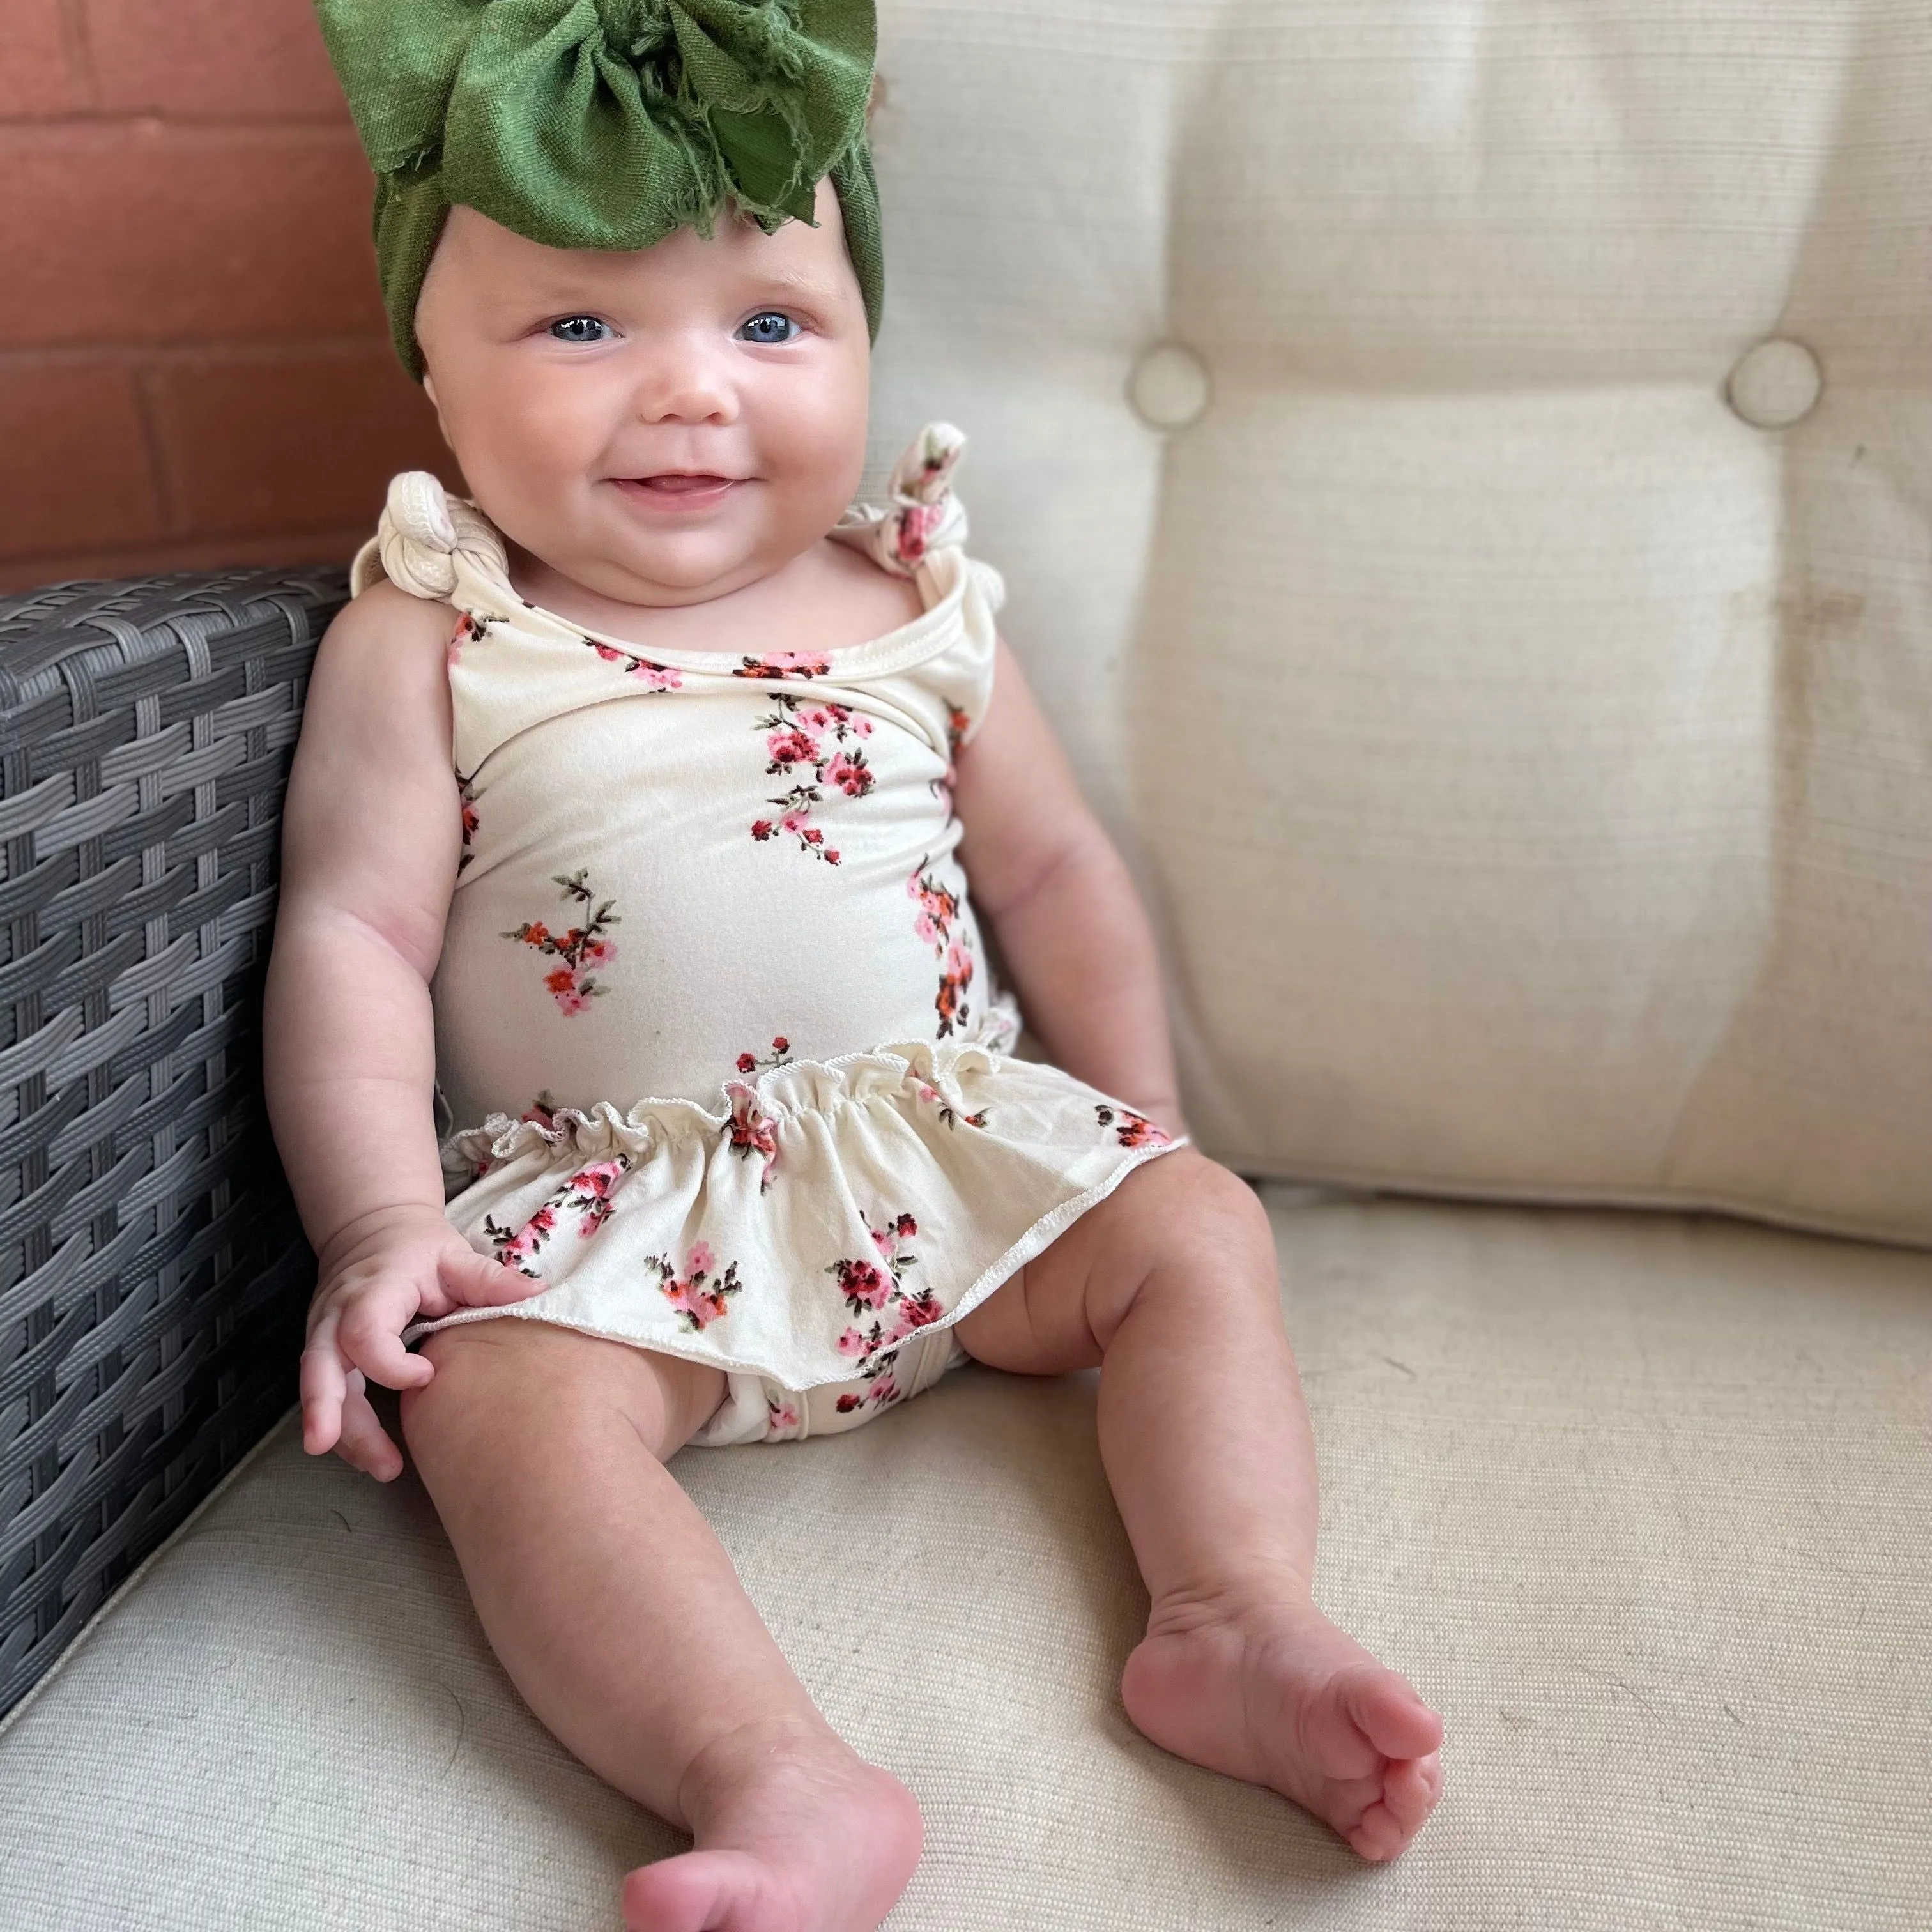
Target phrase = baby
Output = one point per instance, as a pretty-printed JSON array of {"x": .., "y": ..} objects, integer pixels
[{"x": 685, "y": 948}]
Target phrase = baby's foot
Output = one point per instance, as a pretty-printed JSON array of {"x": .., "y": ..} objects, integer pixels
[
  {"x": 796, "y": 1833},
  {"x": 1270, "y": 1690}
]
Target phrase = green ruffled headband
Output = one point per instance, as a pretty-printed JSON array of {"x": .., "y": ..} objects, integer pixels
[{"x": 604, "y": 124}]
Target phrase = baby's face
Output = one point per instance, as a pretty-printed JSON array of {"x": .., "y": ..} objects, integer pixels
[{"x": 661, "y": 426}]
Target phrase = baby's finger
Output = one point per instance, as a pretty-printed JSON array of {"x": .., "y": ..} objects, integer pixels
[
  {"x": 476, "y": 1281},
  {"x": 370, "y": 1341},
  {"x": 322, "y": 1389},
  {"x": 364, "y": 1445}
]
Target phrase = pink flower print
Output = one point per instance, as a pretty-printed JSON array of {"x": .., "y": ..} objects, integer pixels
[
  {"x": 867, "y": 1286},
  {"x": 653, "y": 676},
  {"x": 517, "y": 1247},
  {"x": 799, "y": 736},
  {"x": 849, "y": 1402},
  {"x": 780, "y": 1414},
  {"x": 541, "y": 1111},
  {"x": 883, "y": 1390},
  {"x": 849, "y": 771},
  {"x": 791, "y": 746},
  {"x": 582, "y": 952},
  {"x": 780, "y": 1052},
  {"x": 863, "y": 1285},
  {"x": 950, "y": 1001},
  {"x": 841, "y": 720},
  {"x": 698, "y": 1298},
  {"x": 950, "y": 1115},
  {"x": 784, "y": 664},
  {"x": 915, "y": 1311},
  {"x": 588, "y": 1191},
  {"x": 587, "y": 1194},
  {"x": 890, "y": 1240},
  {"x": 470, "y": 629},
  {"x": 913, "y": 526},
  {"x": 1132, "y": 1129},
  {"x": 472, "y": 823},
  {"x": 938, "y": 908},
  {"x": 750, "y": 1131}
]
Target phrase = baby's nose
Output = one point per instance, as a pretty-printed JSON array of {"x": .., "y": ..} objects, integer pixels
[{"x": 684, "y": 386}]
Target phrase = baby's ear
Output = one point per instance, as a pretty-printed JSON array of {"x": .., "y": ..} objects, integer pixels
[{"x": 442, "y": 428}]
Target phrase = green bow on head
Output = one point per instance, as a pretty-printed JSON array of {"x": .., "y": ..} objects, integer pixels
[{"x": 604, "y": 124}]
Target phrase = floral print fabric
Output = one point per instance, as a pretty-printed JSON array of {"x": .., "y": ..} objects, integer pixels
[
  {"x": 812, "y": 1238},
  {"x": 651, "y": 839},
  {"x": 708, "y": 912}
]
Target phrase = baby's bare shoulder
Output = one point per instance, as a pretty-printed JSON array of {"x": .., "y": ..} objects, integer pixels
[
  {"x": 861, "y": 601},
  {"x": 385, "y": 622},
  {"x": 379, "y": 691}
]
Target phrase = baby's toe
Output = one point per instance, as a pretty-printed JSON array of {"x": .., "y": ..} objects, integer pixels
[
  {"x": 1385, "y": 1709},
  {"x": 1376, "y": 1836},
  {"x": 1409, "y": 1793},
  {"x": 1412, "y": 1789}
]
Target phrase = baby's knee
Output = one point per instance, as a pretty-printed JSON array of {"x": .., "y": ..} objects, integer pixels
[
  {"x": 553, "y": 1390},
  {"x": 1184, "y": 1200}
]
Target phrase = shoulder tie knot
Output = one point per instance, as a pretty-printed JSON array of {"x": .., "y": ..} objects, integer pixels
[
  {"x": 424, "y": 532},
  {"x": 921, "y": 514}
]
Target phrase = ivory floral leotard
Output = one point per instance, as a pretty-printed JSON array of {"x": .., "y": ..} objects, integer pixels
[{"x": 714, "y": 1028}]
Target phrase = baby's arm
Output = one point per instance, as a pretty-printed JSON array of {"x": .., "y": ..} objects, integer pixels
[
  {"x": 371, "y": 838},
  {"x": 1062, "y": 905}
]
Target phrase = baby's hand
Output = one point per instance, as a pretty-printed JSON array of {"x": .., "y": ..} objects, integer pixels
[{"x": 407, "y": 1262}]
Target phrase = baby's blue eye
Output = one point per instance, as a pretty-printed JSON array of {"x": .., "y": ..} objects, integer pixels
[
  {"x": 579, "y": 328},
  {"x": 770, "y": 326}
]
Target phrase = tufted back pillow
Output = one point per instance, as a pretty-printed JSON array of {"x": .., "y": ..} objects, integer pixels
[{"x": 1513, "y": 685}]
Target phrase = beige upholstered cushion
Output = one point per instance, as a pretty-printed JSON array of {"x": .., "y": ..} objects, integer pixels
[
  {"x": 1642, "y": 1502},
  {"x": 1528, "y": 754}
]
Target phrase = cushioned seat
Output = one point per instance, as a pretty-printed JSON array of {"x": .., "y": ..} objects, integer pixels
[{"x": 1642, "y": 1503}]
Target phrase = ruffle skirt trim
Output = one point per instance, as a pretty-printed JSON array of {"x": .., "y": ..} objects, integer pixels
[{"x": 832, "y": 1212}]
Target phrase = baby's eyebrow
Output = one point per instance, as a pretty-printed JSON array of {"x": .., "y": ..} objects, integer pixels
[{"x": 797, "y": 281}]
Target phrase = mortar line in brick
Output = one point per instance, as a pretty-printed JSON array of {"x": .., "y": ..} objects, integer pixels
[
  {"x": 295, "y": 120},
  {"x": 189, "y": 352},
  {"x": 280, "y": 131}
]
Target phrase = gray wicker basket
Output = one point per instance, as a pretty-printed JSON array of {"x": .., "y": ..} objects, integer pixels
[{"x": 153, "y": 1276}]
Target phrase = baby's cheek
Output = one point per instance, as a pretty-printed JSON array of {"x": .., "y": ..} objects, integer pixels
[
  {"x": 810, "y": 436},
  {"x": 527, "y": 447}
]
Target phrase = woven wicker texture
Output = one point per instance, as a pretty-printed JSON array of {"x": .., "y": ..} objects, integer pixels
[{"x": 152, "y": 1273}]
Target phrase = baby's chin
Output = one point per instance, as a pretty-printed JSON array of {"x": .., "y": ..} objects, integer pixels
[{"x": 619, "y": 555}]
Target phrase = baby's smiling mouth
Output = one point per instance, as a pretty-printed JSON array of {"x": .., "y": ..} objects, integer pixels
[{"x": 679, "y": 489}]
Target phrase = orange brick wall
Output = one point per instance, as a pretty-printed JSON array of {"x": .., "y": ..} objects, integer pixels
[{"x": 194, "y": 367}]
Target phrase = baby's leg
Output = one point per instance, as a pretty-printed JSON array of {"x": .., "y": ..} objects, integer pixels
[
  {"x": 618, "y": 1616},
  {"x": 1172, "y": 1285}
]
